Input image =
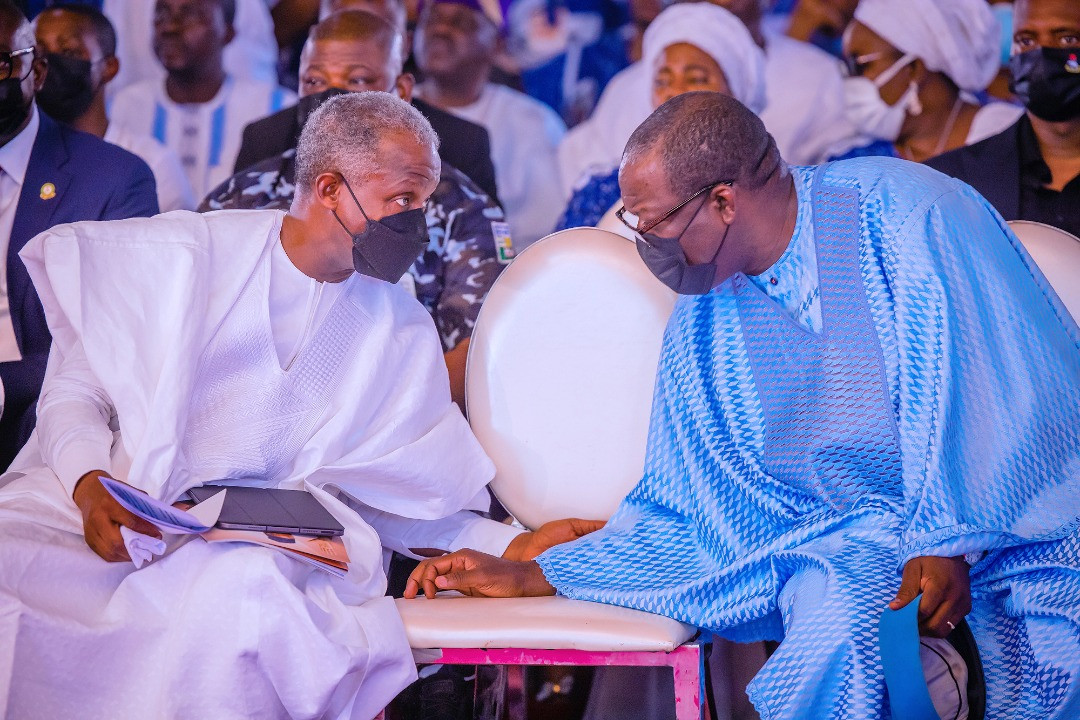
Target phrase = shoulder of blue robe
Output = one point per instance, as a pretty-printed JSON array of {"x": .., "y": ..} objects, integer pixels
[{"x": 988, "y": 365}]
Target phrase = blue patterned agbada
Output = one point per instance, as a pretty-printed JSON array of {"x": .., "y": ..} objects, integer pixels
[{"x": 791, "y": 474}]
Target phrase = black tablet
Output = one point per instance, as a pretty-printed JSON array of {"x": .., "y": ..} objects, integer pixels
[{"x": 270, "y": 510}]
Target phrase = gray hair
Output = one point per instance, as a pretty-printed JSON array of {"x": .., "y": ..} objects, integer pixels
[
  {"x": 343, "y": 135},
  {"x": 705, "y": 137}
]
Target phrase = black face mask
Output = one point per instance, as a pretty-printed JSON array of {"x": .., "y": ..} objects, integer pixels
[
  {"x": 311, "y": 103},
  {"x": 666, "y": 260},
  {"x": 385, "y": 249},
  {"x": 14, "y": 107},
  {"x": 1047, "y": 81},
  {"x": 68, "y": 89}
]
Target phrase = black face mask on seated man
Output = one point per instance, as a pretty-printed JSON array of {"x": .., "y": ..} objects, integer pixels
[
  {"x": 68, "y": 89},
  {"x": 1047, "y": 81},
  {"x": 14, "y": 105},
  {"x": 385, "y": 249}
]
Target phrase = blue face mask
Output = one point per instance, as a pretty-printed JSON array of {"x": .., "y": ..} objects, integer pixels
[{"x": 385, "y": 249}]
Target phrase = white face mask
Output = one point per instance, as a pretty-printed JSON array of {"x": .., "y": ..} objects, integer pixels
[{"x": 872, "y": 115}]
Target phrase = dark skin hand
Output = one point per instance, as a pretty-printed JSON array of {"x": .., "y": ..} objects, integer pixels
[
  {"x": 103, "y": 516},
  {"x": 946, "y": 592},
  {"x": 513, "y": 575},
  {"x": 528, "y": 545},
  {"x": 477, "y": 574}
]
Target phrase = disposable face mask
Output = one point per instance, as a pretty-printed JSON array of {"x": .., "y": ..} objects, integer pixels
[
  {"x": 68, "y": 89},
  {"x": 872, "y": 115},
  {"x": 385, "y": 249},
  {"x": 1047, "y": 81}
]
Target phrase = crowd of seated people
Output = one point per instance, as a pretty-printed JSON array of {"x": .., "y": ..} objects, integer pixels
[{"x": 500, "y": 121}]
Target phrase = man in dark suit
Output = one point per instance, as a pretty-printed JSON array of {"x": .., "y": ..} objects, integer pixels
[
  {"x": 1031, "y": 171},
  {"x": 463, "y": 144},
  {"x": 49, "y": 174}
]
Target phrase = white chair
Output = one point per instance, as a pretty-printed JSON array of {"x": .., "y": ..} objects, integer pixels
[
  {"x": 1057, "y": 253},
  {"x": 559, "y": 389}
]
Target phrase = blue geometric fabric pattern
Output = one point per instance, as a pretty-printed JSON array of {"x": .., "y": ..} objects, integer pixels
[{"x": 790, "y": 476}]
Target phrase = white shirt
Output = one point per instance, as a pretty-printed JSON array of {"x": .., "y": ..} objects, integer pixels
[
  {"x": 525, "y": 135},
  {"x": 991, "y": 119},
  {"x": 205, "y": 136},
  {"x": 173, "y": 189},
  {"x": 804, "y": 108},
  {"x": 14, "y": 159},
  {"x": 252, "y": 55}
]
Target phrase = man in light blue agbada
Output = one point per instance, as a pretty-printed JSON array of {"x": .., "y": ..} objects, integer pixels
[{"x": 869, "y": 392}]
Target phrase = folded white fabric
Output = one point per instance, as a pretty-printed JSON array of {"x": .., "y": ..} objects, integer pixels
[
  {"x": 141, "y": 548},
  {"x": 960, "y": 38}
]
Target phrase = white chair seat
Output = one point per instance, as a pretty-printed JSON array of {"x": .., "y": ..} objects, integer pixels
[{"x": 537, "y": 623}]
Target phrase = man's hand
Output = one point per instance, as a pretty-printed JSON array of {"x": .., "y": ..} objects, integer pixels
[
  {"x": 478, "y": 575},
  {"x": 946, "y": 593},
  {"x": 528, "y": 545},
  {"x": 103, "y": 516}
]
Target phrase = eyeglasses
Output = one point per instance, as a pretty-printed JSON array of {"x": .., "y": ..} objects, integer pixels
[
  {"x": 633, "y": 225},
  {"x": 7, "y": 62}
]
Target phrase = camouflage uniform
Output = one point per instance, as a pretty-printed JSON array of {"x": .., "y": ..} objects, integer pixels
[{"x": 462, "y": 259}]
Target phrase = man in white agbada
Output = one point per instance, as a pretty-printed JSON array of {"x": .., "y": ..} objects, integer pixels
[
  {"x": 803, "y": 109},
  {"x": 239, "y": 346}
]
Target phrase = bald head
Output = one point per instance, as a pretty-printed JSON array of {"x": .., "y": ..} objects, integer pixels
[
  {"x": 699, "y": 138},
  {"x": 392, "y": 11}
]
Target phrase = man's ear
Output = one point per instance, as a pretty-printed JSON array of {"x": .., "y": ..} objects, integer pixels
[
  {"x": 403, "y": 86},
  {"x": 328, "y": 189},
  {"x": 110, "y": 68},
  {"x": 722, "y": 199}
]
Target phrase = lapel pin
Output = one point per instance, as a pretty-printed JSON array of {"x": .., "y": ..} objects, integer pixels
[{"x": 48, "y": 191}]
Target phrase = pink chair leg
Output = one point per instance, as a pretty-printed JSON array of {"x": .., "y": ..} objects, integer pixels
[{"x": 686, "y": 663}]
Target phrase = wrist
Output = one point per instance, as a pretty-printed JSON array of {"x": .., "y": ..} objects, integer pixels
[
  {"x": 533, "y": 581},
  {"x": 81, "y": 488},
  {"x": 517, "y": 547}
]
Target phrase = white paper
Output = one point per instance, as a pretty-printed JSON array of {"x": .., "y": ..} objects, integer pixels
[{"x": 166, "y": 517}]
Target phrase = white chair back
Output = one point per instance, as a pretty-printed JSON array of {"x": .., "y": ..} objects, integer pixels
[
  {"x": 1057, "y": 253},
  {"x": 561, "y": 370},
  {"x": 612, "y": 224}
]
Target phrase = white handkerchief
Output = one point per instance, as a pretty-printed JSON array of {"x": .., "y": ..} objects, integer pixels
[{"x": 141, "y": 548}]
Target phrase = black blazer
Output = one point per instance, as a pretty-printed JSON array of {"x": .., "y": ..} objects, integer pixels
[
  {"x": 91, "y": 180},
  {"x": 991, "y": 166},
  {"x": 463, "y": 144}
]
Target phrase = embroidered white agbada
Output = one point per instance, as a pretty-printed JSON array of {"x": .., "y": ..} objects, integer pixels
[{"x": 171, "y": 317}]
